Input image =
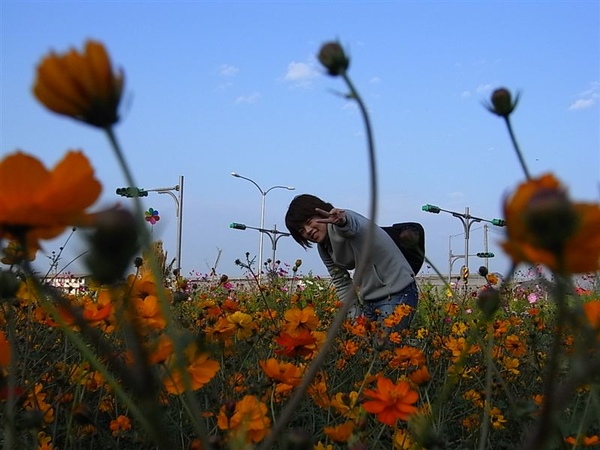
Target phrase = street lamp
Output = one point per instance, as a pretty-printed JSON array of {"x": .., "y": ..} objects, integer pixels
[
  {"x": 139, "y": 192},
  {"x": 263, "y": 193},
  {"x": 273, "y": 234},
  {"x": 467, "y": 220}
]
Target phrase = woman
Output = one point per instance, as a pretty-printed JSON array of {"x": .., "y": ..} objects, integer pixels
[{"x": 340, "y": 235}]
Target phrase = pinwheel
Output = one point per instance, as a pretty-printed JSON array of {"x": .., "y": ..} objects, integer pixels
[{"x": 152, "y": 216}]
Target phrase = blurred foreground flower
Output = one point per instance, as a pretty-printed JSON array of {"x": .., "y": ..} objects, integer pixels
[
  {"x": 81, "y": 85},
  {"x": 36, "y": 203},
  {"x": 248, "y": 419},
  {"x": 545, "y": 227}
]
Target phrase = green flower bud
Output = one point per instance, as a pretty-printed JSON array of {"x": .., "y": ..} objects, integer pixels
[{"x": 333, "y": 58}]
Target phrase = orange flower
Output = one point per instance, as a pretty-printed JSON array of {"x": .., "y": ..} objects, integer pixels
[
  {"x": 81, "y": 85},
  {"x": 283, "y": 372},
  {"x": 545, "y": 227},
  {"x": 199, "y": 367},
  {"x": 36, "y": 203},
  {"x": 391, "y": 402},
  {"x": 299, "y": 344},
  {"x": 420, "y": 376},
  {"x": 584, "y": 441},
  {"x": 407, "y": 356},
  {"x": 513, "y": 344},
  {"x": 249, "y": 419},
  {"x": 120, "y": 424},
  {"x": 301, "y": 318},
  {"x": 592, "y": 313},
  {"x": 340, "y": 433}
]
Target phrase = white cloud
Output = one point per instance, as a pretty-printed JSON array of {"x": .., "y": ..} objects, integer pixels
[
  {"x": 375, "y": 80},
  {"x": 482, "y": 88},
  {"x": 227, "y": 70},
  {"x": 299, "y": 71},
  {"x": 300, "y": 74},
  {"x": 251, "y": 98},
  {"x": 587, "y": 98}
]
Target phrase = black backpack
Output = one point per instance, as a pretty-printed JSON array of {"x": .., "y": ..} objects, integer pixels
[{"x": 410, "y": 239}]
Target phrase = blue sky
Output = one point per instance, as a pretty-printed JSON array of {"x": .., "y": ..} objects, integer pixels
[{"x": 216, "y": 87}]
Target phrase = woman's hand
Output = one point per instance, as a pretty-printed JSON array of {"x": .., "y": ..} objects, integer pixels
[{"x": 336, "y": 216}]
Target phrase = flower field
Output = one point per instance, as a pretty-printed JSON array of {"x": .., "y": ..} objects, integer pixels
[{"x": 142, "y": 358}]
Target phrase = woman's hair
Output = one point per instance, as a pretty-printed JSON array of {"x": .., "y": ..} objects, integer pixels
[{"x": 301, "y": 209}]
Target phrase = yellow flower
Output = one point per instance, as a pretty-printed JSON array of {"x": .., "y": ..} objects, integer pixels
[
  {"x": 243, "y": 324},
  {"x": 36, "y": 203},
  {"x": 81, "y": 85},
  {"x": 496, "y": 418},
  {"x": 545, "y": 227}
]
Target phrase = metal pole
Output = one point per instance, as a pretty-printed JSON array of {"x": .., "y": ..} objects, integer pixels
[
  {"x": 262, "y": 225},
  {"x": 263, "y": 194},
  {"x": 467, "y": 226},
  {"x": 485, "y": 244},
  {"x": 179, "y": 223},
  {"x": 449, "y": 259}
]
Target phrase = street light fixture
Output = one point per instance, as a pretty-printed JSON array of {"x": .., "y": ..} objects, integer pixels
[
  {"x": 467, "y": 220},
  {"x": 139, "y": 192},
  {"x": 263, "y": 193},
  {"x": 273, "y": 234}
]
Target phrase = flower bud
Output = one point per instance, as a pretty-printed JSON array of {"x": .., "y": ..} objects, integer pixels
[
  {"x": 333, "y": 58},
  {"x": 112, "y": 245},
  {"x": 488, "y": 300},
  {"x": 502, "y": 104}
]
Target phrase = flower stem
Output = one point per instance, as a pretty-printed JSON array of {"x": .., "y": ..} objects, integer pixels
[
  {"x": 516, "y": 147},
  {"x": 341, "y": 315}
]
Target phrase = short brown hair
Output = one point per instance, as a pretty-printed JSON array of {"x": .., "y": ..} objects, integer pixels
[{"x": 301, "y": 209}]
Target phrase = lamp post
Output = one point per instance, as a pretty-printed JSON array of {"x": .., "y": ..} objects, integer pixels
[
  {"x": 263, "y": 194},
  {"x": 273, "y": 234},
  {"x": 138, "y": 192},
  {"x": 467, "y": 220}
]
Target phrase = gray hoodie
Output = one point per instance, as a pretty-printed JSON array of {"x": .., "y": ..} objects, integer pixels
[{"x": 387, "y": 271}]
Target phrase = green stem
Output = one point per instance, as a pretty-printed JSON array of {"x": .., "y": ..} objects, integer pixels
[
  {"x": 485, "y": 422},
  {"x": 516, "y": 147},
  {"x": 164, "y": 304},
  {"x": 299, "y": 393}
]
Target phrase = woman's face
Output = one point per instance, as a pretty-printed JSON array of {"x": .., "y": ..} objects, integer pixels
[{"x": 313, "y": 230}]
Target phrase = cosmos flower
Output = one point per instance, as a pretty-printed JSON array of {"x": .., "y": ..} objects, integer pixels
[
  {"x": 545, "y": 227},
  {"x": 340, "y": 433},
  {"x": 81, "y": 85},
  {"x": 391, "y": 402},
  {"x": 37, "y": 203},
  {"x": 249, "y": 419}
]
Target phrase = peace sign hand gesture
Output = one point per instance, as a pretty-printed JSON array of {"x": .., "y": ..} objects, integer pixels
[{"x": 336, "y": 216}]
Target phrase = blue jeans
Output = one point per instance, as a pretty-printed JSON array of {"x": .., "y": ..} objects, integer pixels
[{"x": 379, "y": 309}]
